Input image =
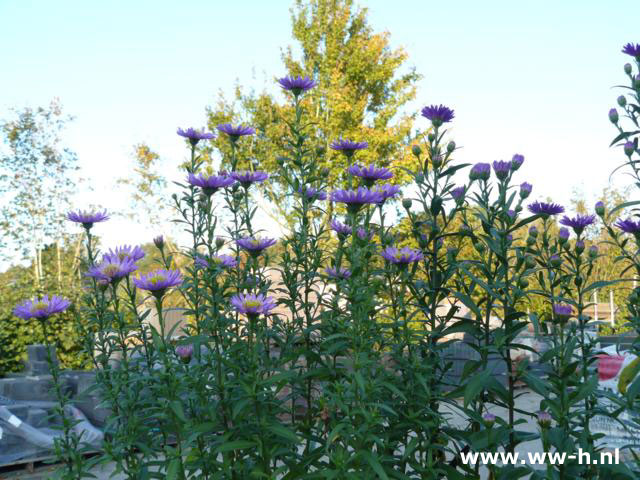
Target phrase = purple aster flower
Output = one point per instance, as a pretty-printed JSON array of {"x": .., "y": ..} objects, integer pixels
[
  {"x": 517, "y": 161},
  {"x": 355, "y": 199},
  {"x": 401, "y": 256},
  {"x": 312, "y": 193},
  {"x": 247, "y": 178},
  {"x": 112, "y": 269},
  {"x": 194, "y": 136},
  {"x": 184, "y": 352},
  {"x": 158, "y": 281},
  {"x": 502, "y": 169},
  {"x": 125, "y": 252},
  {"x": 578, "y": 223},
  {"x": 480, "y": 171},
  {"x": 525, "y": 189},
  {"x": 220, "y": 261},
  {"x": 159, "y": 242},
  {"x": 511, "y": 213},
  {"x": 629, "y": 226},
  {"x": 253, "y": 305},
  {"x": 458, "y": 193},
  {"x": 341, "y": 229},
  {"x": 255, "y": 245},
  {"x": 363, "y": 234},
  {"x": 210, "y": 184},
  {"x": 348, "y": 147},
  {"x": 544, "y": 419},
  {"x": 297, "y": 85},
  {"x": 370, "y": 174},
  {"x": 235, "y": 132},
  {"x": 41, "y": 308},
  {"x": 562, "y": 311},
  {"x": 563, "y": 234},
  {"x": 87, "y": 219},
  {"x": 632, "y": 50},
  {"x": 387, "y": 191},
  {"x": 438, "y": 114},
  {"x": 339, "y": 274},
  {"x": 545, "y": 209}
]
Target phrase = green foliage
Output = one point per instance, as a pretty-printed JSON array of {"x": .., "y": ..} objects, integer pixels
[{"x": 363, "y": 85}]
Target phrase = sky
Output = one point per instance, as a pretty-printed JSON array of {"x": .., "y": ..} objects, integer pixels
[{"x": 529, "y": 77}]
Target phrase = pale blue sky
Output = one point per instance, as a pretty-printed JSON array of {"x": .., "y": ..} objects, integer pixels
[{"x": 532, "y": 77}]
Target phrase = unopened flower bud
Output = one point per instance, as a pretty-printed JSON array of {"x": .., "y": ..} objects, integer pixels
[
  {"x": 525, "y": 190},
  {"x": 622, "y": 100},
  {"x": 613, "y": 116},
  {"x": 406, "y": 203},
  {"x": 184, "y": 352},
  {"x": 600, "y": 208},
  {"x": 517, "y": 161},
  {"x": 544, "y": 420},
  {"x": 219, "y": 242},
  {"x": 159, "y": 242},
  {"x": 436, "y": 161},
  {"x": 431, "y": 137},
  {"x": 529, "y": 261},
  {"x": 531, "y": 240},
  {"x": 579, "y": 247},
  {"x": 593, "y": 251},
  {"x": 629, "y": 148},
  {"x": 416, "y": 150},
  {"x": 324, "y": 172},
  {"x": 320, "y": 150},
  {"x": 563, "y": 235},
  {"x": 419, "y": 178},
  {"x": 489, "y": 419},
  {"x": 636, "y": 82},
  {"x": 533, "y": 231},
  {"x": 627, "y": 68},
  {"x": 451, "y": 146},
  {"x": 523, "y": 282},
  {"x": 555, "y": 261}
]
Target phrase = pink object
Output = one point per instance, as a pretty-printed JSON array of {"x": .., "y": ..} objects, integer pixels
[{"x": 609, "y": 366}]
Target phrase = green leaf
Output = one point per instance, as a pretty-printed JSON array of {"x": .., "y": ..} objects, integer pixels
[
  {"x": 475, "y": 385},
  {"x": 374, "y": 463},
  {"x": 283, "y": 432},
  {"x": 235, "y": 445}
]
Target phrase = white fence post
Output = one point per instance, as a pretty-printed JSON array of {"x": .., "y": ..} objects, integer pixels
[{"x": 611, "y": 306}]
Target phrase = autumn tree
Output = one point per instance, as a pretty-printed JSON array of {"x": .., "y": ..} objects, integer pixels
[
  {"x": 147, "y": 187},
  {"x": 363, "y": 87},
  {"x": 36, "y": 183}
]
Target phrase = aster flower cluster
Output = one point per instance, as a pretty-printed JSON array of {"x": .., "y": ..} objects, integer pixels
[
  {"x": 356, "y": 199},
  {"x": 158, "y": 281},
  {"x": 41, "y": 308},
  {"x": 438, "y": 114},
  {"x": 401, "y": 256},
  {"x": 247, "y": 178},
  {"x": 194, "y": 136},
  {"x": 348, "y": 147},
  {"x": 88, "y": 218},
  {"x": 210, "y": 184},
  {"x": 297, "y": 85},
  {"x": 255, "y": 245},
  {"x": 116, "y": 264},
  {"x": 252, "y": 304},
  {"x": 370, "y": 174},
  {"x": 578, "y": 223},
  {"x": 545, "y": 209}
]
